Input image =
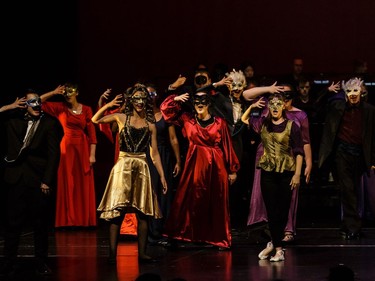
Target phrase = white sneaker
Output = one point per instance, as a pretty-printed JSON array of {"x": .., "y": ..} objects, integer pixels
[
  {"x": 279, "y": 256},
  {"x": 266, "y": 251}
]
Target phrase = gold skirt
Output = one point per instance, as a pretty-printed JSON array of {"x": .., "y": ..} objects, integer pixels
[{"x": 129, "y": 185}]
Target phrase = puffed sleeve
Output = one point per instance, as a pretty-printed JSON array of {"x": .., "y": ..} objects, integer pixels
[
  {"x": 296, "y": 140},
  {"x": 170, "y": 109},
  {"x": 305, "y": 130},
  {"x": 256, "y": 123}
]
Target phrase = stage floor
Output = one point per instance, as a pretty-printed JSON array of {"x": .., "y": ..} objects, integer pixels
[{"x": 81, "y": 254}]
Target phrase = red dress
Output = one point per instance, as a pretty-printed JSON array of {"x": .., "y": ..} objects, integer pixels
[
  {"x": 75, "y": 198},
  {"x": 200, "y": 210}
]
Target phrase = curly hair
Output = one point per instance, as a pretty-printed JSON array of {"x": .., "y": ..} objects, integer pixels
[
  {"x": 128, "y": 110},
  {"x": 352, "y": 83}
]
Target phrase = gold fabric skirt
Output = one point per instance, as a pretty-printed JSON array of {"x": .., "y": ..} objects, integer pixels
[{"x": 129, "y": 185}]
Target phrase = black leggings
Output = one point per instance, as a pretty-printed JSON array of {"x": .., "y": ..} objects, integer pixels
[{"x": 277, "y": 193}]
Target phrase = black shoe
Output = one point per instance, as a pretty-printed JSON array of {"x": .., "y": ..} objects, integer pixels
[
  {"x": 7, "y": 268},
  {"x": 43, "y": 269}
]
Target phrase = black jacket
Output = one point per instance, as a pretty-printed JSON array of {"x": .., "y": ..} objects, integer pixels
[
  {"x": 334, "y": 114},
  {"x": 39, "y": 162}
]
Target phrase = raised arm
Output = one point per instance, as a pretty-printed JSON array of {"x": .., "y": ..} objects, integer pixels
[
  {"x": 246, "y": 115},
  {"x": 258, "y": 104},
  {"x": 225, "y": 81},
  {"x": 178, "y": 83},
  {"x": 322, "y": 95},
  {"x": 100, "y": 118},
  {"x": 60, "y": 90},
  {"x": 255, "y": 92},
  {"x": 104, "y": 97},
  {"x": 18, "y": 103}
]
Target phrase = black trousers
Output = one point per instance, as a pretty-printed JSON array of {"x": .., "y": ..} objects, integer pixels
[
  {"x": 277, "y": 195},
  {"x": 26, "y": 206},
  {"x": 349, "y": 170}
]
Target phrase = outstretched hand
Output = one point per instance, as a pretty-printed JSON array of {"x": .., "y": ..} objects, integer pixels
[
  {"x": 179, "y": 82},
  {"x": 60, "y": 90},
  {"x": 259, "y": 103},
  {"x": 227, "y": 81},
  {"x": 19, "y": 103},
  {"x": 116, "y": 102},
  {"x": 182, "y": 98},
  {"x": 335, "y": 87},
  {"x": 104, "y": 97},
  {"x": 273, "y": 89}
]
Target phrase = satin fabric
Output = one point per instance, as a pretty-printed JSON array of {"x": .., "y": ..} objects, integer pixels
[
  {"x": 129, "y": 185},
  {"x": 200, "y": 209},
  {"x": 129, "y": 225},
  {"x": 75, "y": 198},
  {"x": 277, "y": 155}
]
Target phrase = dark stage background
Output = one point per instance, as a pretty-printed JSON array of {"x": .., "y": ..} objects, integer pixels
[{"x": 112, "y": 44}]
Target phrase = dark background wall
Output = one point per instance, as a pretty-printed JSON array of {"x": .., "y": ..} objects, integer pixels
[
  {"x": 112, "y": 44},
  {"x": 159, "y": 40}
]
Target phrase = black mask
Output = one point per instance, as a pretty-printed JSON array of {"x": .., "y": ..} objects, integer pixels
[
  {"x": 200, "y": 80},
  {"x": 201, "y": 100},
  {"x": 289, "y": 95}
]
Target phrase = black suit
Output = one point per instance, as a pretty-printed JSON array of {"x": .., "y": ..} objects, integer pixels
[
  {"x": 37, "y": 164},
  {"x": 351, "y": 161},
  {"x": 222, "y": 106}
]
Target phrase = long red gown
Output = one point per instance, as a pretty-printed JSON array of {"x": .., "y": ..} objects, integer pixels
[
  {"x": 200, "y": 210},
  {"x": 75, "y": 198}
]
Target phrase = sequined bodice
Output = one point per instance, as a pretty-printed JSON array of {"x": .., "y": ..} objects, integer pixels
[{"x": 133, "y": 139}]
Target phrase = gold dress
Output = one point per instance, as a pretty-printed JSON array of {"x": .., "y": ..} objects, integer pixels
[{"x": 129, "y": 183}]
